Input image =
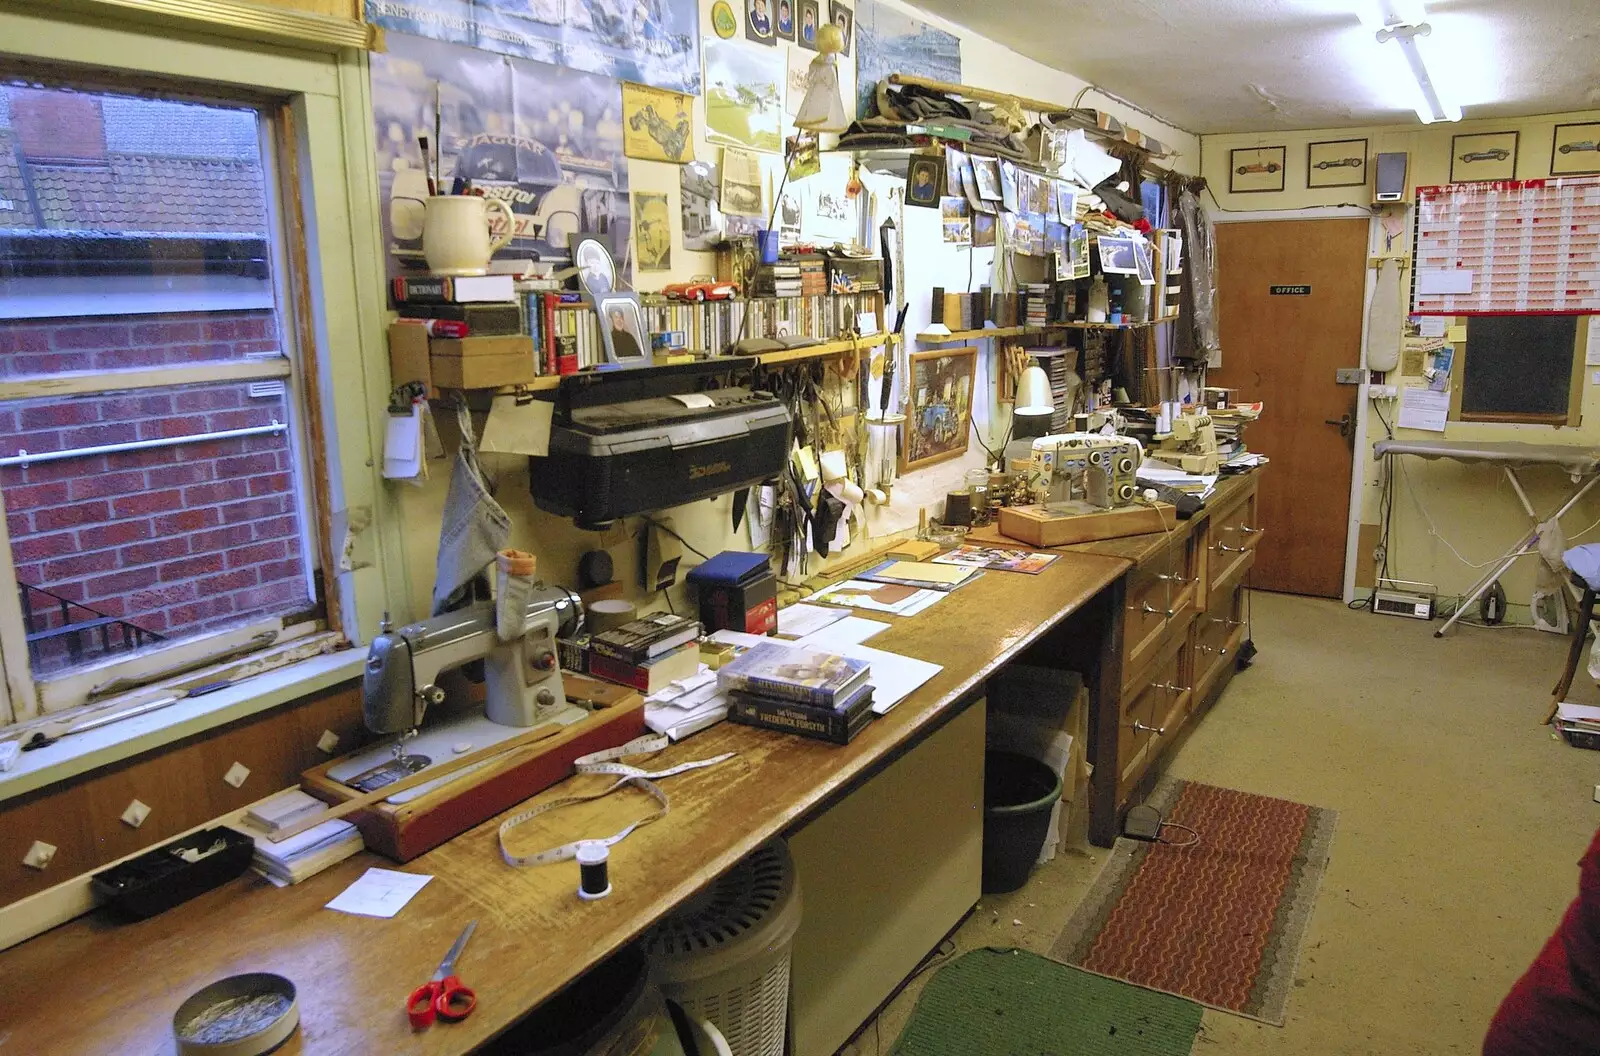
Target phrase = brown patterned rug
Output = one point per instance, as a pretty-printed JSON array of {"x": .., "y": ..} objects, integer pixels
[{"x": 1220, "y": 922}]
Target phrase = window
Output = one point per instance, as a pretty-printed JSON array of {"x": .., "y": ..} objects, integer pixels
[
  {"x": 152, "y": 451},
  {"x": 1525, "y": 369}
]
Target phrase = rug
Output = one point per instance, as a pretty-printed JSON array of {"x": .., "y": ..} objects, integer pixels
[
  {"x": 1220, "y": 922},
  {"x": 1002, "y": 1002}
]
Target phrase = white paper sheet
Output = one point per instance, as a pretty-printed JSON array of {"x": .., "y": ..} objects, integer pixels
[
  {"x": 800, "y": 619},
  {"x": 857, "y": 592},
  {"x": 894, "y": 677},
  {"x": 852, "y": 630},
  {"x": 402, "y": 445},
  {"x": 1444, "y": 280},
  {"x": 1591, "y": 355},
  {"x": 379, "y": 893},
  {"x": 1433, "y": 325},
  {"x": 1423, "y": 409}
]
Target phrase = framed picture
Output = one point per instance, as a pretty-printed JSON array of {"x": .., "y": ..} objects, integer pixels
[
  {"x": 1256, "y": 169},
  {"x": 1483, "y": 157},
  {"x": 758, "y": 22},
  {"x": 844, "y": 18},
  {"x": 938, "y": 421},
  {"x": 1575, "y": 150},
  {"x": 1337, "y": 163},
  {"x": 784, "y": 25},
  {"x": 810, "y": 18},
  {"x": 925, "y": 181},
  {"x": 622, "y": 329}
]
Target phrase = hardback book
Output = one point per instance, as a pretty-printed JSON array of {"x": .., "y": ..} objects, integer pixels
[
  {"x": 795, "y": 673},
  {"x": 834, "y": 725},
  {"x": 644, "y": 638},
  {"x": 441, "y": 289},
  {"x": 483, "y": 320},
  {"x": 652, "y": 676}
]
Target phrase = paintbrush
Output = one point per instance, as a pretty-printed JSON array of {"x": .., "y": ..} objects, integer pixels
[
  {"x": 427, "y": 164},
  {"x": 438, "y": 137}
]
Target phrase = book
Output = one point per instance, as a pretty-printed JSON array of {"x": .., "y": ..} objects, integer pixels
[
  {"x": 440, "y": 289},
  {"x": 797, "y": 674},
  {"x": 995, "y": 557},
  {"x": 834, "y": 725},
  {"x": 650, "y": 677},
  {"x": 483, "y": 320},
  {"x": 284, "y": 809},
  {"x": 645, "y": 638},
  {"x": 921, "y": 574},
  {"x": 304, "y": 854}
]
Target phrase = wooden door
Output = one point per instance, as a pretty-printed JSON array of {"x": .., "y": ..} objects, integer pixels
[{"x": 1290, "y": 301}]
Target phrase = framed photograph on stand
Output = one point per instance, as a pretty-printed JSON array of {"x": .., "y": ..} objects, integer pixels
[
  {"x": 1483, "y": 158},
  {"x": 1254, "y": 170},
  {"x": 1337, "y": 163},
  {"x": 938, "y": 422}
]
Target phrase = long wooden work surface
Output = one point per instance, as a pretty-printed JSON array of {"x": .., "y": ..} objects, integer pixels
[{"x": 93, "y": 986}]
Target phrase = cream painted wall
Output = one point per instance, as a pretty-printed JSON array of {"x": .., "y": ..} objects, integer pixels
[
  {"x": 1438, "y": 505},
  {"x": 707, "y": 525}
]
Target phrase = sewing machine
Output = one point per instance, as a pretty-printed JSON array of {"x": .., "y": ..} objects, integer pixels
[
  {"x": 1074, "y": 468},
  {"x": 1192, "y": 444},
  {"x": 412, "y": 668}
]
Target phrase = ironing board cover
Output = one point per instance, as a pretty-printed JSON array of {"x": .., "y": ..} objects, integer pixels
[{"x": 1579, "y": 461}]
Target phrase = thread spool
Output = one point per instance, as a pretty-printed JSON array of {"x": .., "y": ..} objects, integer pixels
[
  {"x": 607, "y": 614},
  {"x": 594, "y": 881},
  {"x": 958, "y": 508}
]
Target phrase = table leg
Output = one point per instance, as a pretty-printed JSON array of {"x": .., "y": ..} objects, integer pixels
[{"x": 1105, "y": 718}]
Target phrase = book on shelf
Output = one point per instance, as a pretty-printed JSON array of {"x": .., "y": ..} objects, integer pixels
[
  {"x": 834, "y": 725},
  {"x": 649, "y": 677},
  {"x": 795, "y": 673},
  {"x": 640, "y": 640},
  {"x": 443, "y": 289},
  {"x": 490, "y": 319}
]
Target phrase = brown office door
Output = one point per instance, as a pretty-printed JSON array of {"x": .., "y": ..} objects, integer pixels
[{"x": 1291, "y": 295}]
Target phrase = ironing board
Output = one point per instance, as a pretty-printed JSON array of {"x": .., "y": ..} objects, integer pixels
[{"x": 1581, "y": 464}]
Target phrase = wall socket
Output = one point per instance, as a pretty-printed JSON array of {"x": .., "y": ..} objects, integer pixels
[{"x": 1383, "y": 392}]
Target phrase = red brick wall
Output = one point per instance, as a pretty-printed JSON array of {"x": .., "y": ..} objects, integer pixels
[{"x": 174, "y": 540}]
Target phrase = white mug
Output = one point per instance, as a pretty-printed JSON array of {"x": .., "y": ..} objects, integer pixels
[{"x": 455, "y": 233}]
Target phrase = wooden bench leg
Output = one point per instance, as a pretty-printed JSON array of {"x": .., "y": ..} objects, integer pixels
[{"x": 1575, "y": 654}]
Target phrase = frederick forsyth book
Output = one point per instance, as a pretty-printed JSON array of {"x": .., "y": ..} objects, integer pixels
[
  {"x": 786, "y": 672},
  {"x": 440, "y": 289},
  {"x": 645, "y": 638},
  {"x": 834, "y": 725}
]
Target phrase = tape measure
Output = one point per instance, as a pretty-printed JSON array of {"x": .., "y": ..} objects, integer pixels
[{"x": 602, "y": 763}]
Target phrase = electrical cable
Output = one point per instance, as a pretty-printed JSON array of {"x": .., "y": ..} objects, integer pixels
[
  {"x": 1185, "y": 828},
  {"x": 692, "y": 548}
]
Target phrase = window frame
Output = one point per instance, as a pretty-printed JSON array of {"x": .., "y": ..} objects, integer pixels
[{"x": 325, "y": 193}]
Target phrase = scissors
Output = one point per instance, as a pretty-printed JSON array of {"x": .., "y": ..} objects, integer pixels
[{"x": 443, "y": 995}]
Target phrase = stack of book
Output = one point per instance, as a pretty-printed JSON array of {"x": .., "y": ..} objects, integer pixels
[
  {"x": 778, "y": 280},
  {"x": 1057, "y": 364},
  {"x": 647, "y": 654},
  {"x": 813, "y": 274},
  {"x": 794, "y": 689},
  {"x": 1036, "y": 296},
  {"x": 304, "y": 854},
  {"x": 481, "y": 343},
  {"x": 1579, "y": 724}
]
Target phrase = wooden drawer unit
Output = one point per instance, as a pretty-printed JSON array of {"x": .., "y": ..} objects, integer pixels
[
  {"x": 1217, "y": 635},
  {"x": 1231, "y": 538},
  {"x": 1160, "y": 605},
  {"x": 1152, "y": 710}
]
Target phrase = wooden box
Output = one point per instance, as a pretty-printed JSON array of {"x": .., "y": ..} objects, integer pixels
[
  {"x": 408, "y": 356},
  {"x": 402, "y": 831},
  {"x": 1079, "y": 522},
  {"x": 482, "y": 362}
]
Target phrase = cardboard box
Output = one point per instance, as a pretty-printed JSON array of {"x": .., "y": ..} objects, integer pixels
[
  {"x": 408, "y": 356},
  {"x": 476, "y": 347},
  {"x": 479, "y": 371}
]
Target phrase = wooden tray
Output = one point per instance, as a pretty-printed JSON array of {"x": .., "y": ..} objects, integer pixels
[{"x": 1083, "y": 523}]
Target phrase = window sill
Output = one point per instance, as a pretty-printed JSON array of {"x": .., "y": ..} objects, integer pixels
[{"x": 83, "y": 752}]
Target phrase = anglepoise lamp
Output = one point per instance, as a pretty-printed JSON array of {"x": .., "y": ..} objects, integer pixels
[
  {"x": 822, "y": 109},
  {"x": 1034, "y": 409}
]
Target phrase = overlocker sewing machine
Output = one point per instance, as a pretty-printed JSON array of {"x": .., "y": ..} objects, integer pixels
[{"x": 1192, "y": 444}]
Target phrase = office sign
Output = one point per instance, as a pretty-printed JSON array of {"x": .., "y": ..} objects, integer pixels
[{"x": 1289, "y": 291}]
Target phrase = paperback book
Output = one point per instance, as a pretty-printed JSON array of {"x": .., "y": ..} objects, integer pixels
[{"x": 796, "y": 674}]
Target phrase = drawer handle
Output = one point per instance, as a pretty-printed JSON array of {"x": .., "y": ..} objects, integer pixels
[
  {"x": 1225, "y": 548},
  {"x": 1148, "y": 611},
  {"x": 1172, "y": 577},
  {"x": 1169, "y": 687},
  {"x": 1220, "y": 652},
  {"x": 1247, "y": 530},
  {"x": 1227, "y": 623},
  {"x": 1139, "y": 727}
]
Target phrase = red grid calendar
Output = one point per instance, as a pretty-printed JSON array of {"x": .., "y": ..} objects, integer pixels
[{"x": 1532, "y": 247}]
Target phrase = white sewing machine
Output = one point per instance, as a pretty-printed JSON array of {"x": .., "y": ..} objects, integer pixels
[
  {"x": 1192, "y": 444},
  {"x": 1086, "y": 467}
]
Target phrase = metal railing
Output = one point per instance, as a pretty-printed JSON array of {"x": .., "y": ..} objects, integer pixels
[
  {"x": 75, "y": 634},
  {"x": 24, "y": 459}
]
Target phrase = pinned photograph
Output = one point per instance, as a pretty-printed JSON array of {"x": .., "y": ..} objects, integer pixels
[
  {"x": 925, "y": 181},
  {"x": 758, "y": 22},
  {"x": 957, "y": 220},
  {"x": 1483, "y": 158},
  {"x": 1255, "y": 170},
  {"x": 987, "y": 172},
  {"x": 743, "y": 191},
  {"x": 1142, "y": 259},
  {"x": 1078, "y": 250},
  {"x": 698, "y": 189},
  {"x": 652, "y": 231},
  {"x": 1337, "y": 163},
  {"x": 657, "y": 125},
  {"x": 983, "y": 225},
  {"x": 844, "y": 18},
  {"x": 1066, "y": 202},
  {"x": 744, "y": 99},
  {"x": 810, "y": 19},
  {"x": 1119, "y": 255},
  {"x": 1009, "y": 197},
  {"x": 783, "y": 26},
  {"x": 1575, "y": 150}
]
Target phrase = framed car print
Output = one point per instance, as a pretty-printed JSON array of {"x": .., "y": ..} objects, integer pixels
[
  {"x": 1337, "y": 163},
  {"x": 1484, "y": 157},
  {"x": 1256, "y": 169},
  {"x": 1575, "y": 150}
]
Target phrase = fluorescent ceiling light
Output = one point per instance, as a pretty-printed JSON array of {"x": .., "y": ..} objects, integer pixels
[{"x": 1402, "y": 21}]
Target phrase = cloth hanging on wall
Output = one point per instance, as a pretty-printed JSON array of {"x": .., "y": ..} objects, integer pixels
[{"x": 1196, "y": 329}]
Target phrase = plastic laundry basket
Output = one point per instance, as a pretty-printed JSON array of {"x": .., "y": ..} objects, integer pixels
[{"x": 724, "y": 954}]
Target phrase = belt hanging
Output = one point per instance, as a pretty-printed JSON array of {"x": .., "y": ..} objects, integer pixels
[{"x": 601, "y": 763}]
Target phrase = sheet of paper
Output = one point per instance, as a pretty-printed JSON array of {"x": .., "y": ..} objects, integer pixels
[
  {"x": 518, "y": 427},
  {"x": 852, "y": 630},
  {"x": 1456, "y": 334},
  {"x": 927, "y": 572},
  {"x": 1423, "y": 409},
  {"x": 739, "y": 638},
  {"x": 879, "y": 597},
  {"x": 800, "y": 619},
  {"x": 402, "y": 445},
  {"x": 379, "y": 893},
  {"x": 894, "y": 677},
  {"x": 1444, "y": 280},
  {"x": 1591, "y": 355},
  {"x": 1434, "y": 325}
]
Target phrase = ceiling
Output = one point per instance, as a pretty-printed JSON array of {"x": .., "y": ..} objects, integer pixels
[{"x": 1213, "y": 66}]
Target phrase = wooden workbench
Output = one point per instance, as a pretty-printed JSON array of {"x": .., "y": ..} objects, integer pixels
[{"x": 97, "y": 987}]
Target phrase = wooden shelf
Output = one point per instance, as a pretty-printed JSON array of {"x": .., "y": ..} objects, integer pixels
[
  {"x": 981, "y": 335},
  {"x": 788, "y": 355},
  {"x": 1113, "y": 326}
]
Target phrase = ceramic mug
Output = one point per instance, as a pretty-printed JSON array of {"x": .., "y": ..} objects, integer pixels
[{"x": 455, "y": 233}]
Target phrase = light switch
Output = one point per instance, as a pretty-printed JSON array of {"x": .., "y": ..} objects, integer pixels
[
  {"x": 136, "y": 813},
  {"x": 39, "y": 855},
  {"x": 236, "y": 774},
  {"x": 328, "y": 742}
]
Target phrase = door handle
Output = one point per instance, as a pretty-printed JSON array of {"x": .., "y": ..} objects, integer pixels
[{"x": 1346, "y": 424}]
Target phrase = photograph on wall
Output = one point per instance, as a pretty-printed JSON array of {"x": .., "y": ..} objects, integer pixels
[
  {"x": 1575, "y": 150},
  {"x": 743, "y": 189},
  {"x": 957, "y": 215},
  {"x": 1256, "y": 169},
  {"x": 699, "y": 187},
  {"x": 939, "y": 406},
  {"x": 1078, "y": 250},
  {"x": 1143, "y": 260},
  {"x": 1119, "y": 255},
  {"x": 810, "y": 18},
  {"x": 744, "y": 98},
  {"x": 805, "y": 155},
  {"x": 844, "y": 18},
  {"x": 791, "y": 207},
  {"x": 652, "y": 231},
  {"x": 1066, "y": 202},
  {"x": 1337, "y": 163},
  {"x": 545, "y": 140},
  {"x": 830, "y": 214},
  {"x": 657, "y": 125},
  {"x": 1483, "y": 158},
  {"x": 987, "y": 172},
  {"x": 654, "y": 42},
  {"x": 889, "y": 41},
  {"x": 982, "y": 230},
  {"x": 758, "y": 22},
  {"x": 784, "y": 20},
  {"x": 1010, "y": 195},
  {"x": 925, "y": 181}
]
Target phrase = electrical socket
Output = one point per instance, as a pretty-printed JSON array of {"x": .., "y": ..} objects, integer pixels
[{"x": 1383, "y": 392}]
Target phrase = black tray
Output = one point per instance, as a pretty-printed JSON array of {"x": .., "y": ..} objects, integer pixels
[{"x": 157, "y": 880}]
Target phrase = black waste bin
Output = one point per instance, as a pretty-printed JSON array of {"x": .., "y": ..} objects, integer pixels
[{"x": 1018, "y": 794}]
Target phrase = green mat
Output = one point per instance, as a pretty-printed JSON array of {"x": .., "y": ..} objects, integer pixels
[{"x": 1003, "y": 1002}]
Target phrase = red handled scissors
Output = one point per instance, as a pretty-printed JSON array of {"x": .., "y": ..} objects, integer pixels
[{"x": 443, "y": 995}]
